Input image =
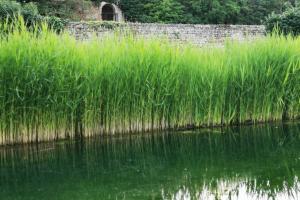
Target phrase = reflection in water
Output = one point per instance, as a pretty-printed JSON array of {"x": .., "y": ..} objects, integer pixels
[
  {"x": 236, "y": 189},
  {"x": 261, "y": 162}
]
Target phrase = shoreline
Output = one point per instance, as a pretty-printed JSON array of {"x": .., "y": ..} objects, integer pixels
[{"x": 151, "y": 132}]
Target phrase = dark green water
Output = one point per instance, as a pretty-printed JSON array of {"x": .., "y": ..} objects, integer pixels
[{"x": 261, "y": 162}]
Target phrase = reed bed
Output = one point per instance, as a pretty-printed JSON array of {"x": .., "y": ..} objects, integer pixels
[{"x": 54, "y": 87}]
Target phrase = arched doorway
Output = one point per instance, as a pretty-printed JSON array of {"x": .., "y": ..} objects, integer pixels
[{"x": 108, "y": 13}]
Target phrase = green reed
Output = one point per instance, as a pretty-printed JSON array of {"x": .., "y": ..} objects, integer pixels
[{"x": 54, "y": 87}]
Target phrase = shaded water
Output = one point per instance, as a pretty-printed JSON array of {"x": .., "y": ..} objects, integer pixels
[{"x": 261, "y": 162}]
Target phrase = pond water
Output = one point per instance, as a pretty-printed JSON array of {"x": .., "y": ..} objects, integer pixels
[{"x": 254, "y": 162}]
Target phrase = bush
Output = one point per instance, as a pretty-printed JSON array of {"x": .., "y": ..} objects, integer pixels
[
  {"x": 56, "y": 23},
  {"x": 70, "y": 9},
  {"x": 286, "y": 23},
  {"x": 30, "y": 8},
  {"x": 9, "y": 10}
]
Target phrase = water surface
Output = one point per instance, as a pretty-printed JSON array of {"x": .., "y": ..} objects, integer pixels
[{"x": 261, "y": 162}]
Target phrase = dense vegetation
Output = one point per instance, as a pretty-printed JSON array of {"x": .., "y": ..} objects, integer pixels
[
  {"x": 199, "y": 12},
  {"x": 287, "y": 23},
  {"x": 56, "y": 87},
  {"x": 176, "y": 11},
  {"x": 10, "y": 10}
]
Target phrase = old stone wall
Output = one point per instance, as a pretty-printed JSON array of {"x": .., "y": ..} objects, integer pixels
[{"x": 183, "y": 33}]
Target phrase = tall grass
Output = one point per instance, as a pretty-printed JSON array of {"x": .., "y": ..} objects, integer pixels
[{"x": 55, "y": 87}]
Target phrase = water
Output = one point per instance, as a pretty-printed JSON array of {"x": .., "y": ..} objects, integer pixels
[{"x": 261, "y": 162}]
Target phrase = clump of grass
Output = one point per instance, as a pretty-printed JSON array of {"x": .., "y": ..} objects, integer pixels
[{"x": 54, "y": 87}]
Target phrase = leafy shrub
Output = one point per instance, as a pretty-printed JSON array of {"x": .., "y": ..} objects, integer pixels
[
  {"x": 9, "y": 10},
  {"x": 287, "y": 23},
  {"x": 30, "y": 8},
  {"x": 70, "y": 9},
  {"x": 31, "y": 14},
  {"x": 56, "y": 23}
]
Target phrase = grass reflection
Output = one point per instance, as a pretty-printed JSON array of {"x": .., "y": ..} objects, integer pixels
[{"x": 242, "y": 162}]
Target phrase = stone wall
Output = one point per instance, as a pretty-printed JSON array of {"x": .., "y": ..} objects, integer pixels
[{"x": 183, "y": 33}]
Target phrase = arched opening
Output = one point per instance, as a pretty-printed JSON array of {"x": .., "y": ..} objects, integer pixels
[{"x": 108, "y": 13}]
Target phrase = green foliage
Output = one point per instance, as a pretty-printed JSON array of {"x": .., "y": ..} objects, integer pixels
[
  {"x": 30, "y": 8},
  {"x": 195, "y": 11},
  {"x": 10, "y": 10},
  {"x": 53, "y": 86},
  {"x": 288, "y": 22},
  {"x": 31, "y": 14},
  {"x": 173, "y": 11},
  {"x": 109, "y": 24},
  {"x": 67, "y": 9},
  {"x": 167, "y": 11},
  {"x": 55, "y": 23}
]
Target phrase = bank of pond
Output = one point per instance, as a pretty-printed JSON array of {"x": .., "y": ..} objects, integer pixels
[{"x": 54, "y": 87}]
